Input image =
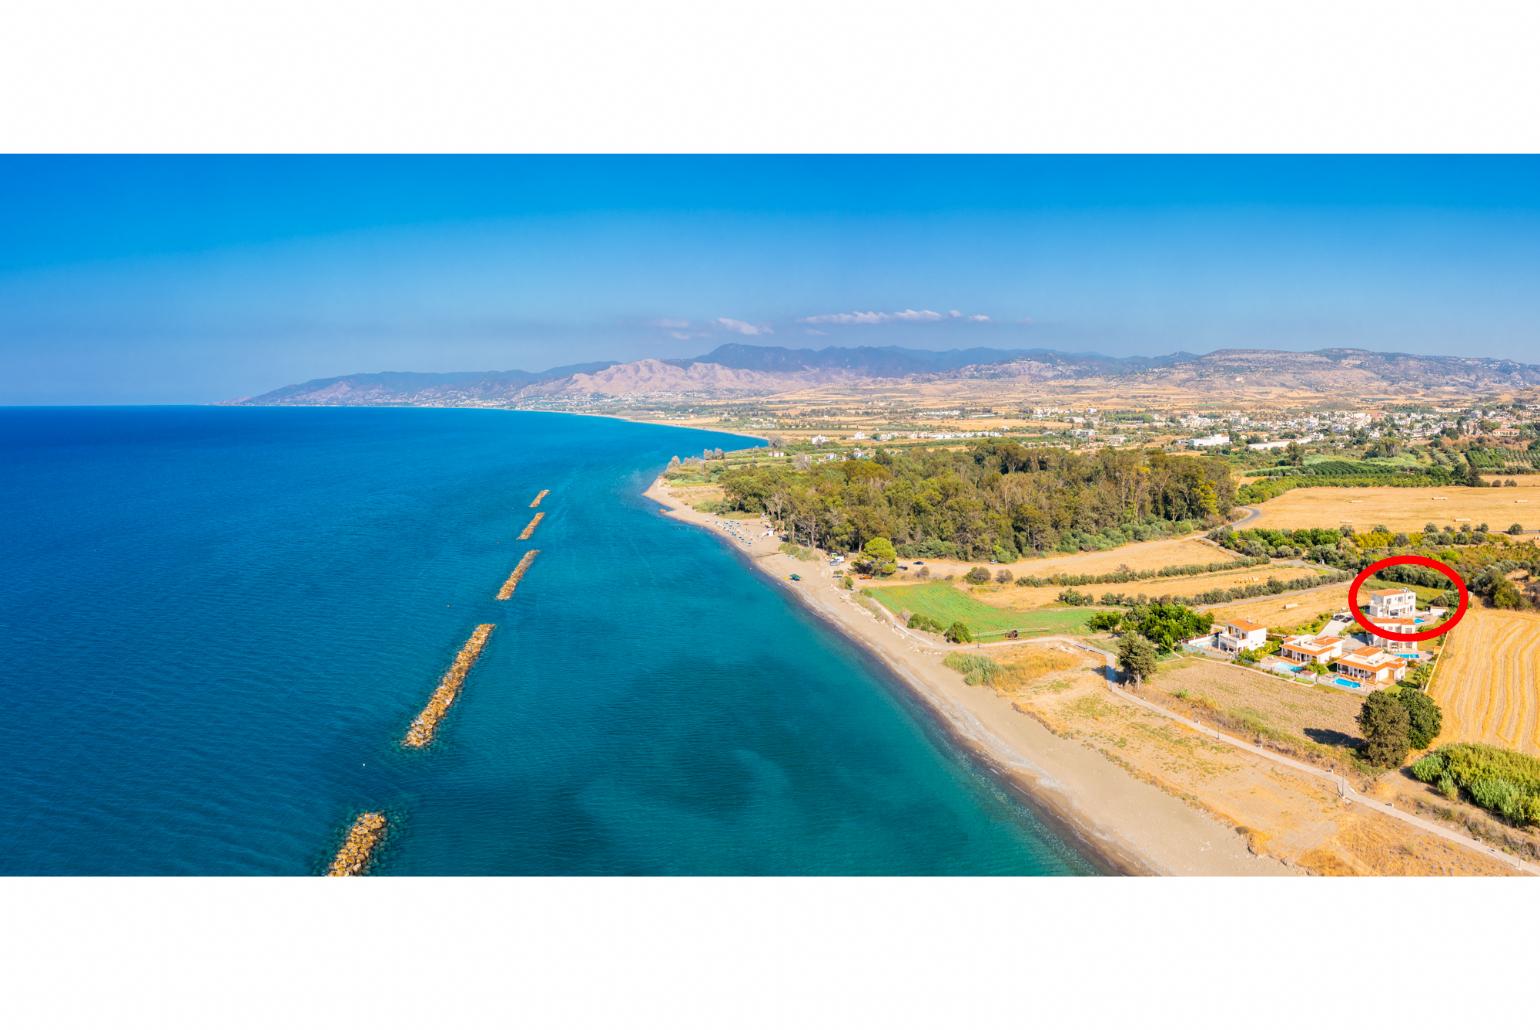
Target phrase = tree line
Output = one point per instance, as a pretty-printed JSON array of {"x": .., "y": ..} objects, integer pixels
[{"x": 997, "y": 499}]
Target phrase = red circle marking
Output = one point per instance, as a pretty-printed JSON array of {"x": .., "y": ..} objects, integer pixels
[{"x": 1408, "y": 559}]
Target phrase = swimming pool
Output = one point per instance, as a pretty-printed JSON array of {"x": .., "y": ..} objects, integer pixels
[{"x": 1348, "y": 683}]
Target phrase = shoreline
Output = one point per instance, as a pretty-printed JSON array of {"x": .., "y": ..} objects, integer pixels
[{"x": 1118, "y": 822}]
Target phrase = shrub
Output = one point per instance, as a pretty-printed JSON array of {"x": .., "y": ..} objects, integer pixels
[
  {"x": 1003, "y": 577},
  {"x": 1516, "y": 529},
  {"x": 977, "y": 575},
  {"x": 976, "y": 668},
  {"x": 959, "y": 633},
  {"x": 925, "y": 622},
  {"x": 1506, "y": 783}
]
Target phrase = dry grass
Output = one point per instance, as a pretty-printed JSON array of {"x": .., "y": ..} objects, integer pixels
[
  {"x": 1026, "y": 668},
  {"x": 1488, "y": 680},
  {"x": 1024, "y": 597},
  {"x": 1400, "y": 508},
  {"x": 698, "y": 494},
  {"x": 1305, "y": 718},
  {"x": 1149, "y": 555},
  {"x": 1281, "y": 813},
  {"x": 1286, "y": 611}
]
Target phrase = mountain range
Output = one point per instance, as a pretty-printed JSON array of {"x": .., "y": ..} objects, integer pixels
[{"x": 736, "y": 371}]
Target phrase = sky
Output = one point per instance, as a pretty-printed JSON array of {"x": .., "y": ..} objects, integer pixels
[{"x": 200, "y": 279}]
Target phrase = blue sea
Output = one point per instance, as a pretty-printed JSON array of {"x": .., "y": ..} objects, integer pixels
[{"x": 217, "y": 623}]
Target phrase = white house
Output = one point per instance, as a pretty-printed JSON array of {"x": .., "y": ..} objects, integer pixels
[
  {"x": 1395, "y": 626},
  {"x": 1217, "y": 440},
  {"x": 1239, "y": 635},
  {"x": 1370, "y": 665},
  {"x": 1306, "y": 649},
  {"x": 1385, "y": 605}
]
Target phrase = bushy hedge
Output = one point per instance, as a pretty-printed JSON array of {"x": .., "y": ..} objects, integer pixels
[
  {"x": 1506, "y": 783},
  {"x": 1219, "y": 595},
  {"x": 1127, "y": 575}
]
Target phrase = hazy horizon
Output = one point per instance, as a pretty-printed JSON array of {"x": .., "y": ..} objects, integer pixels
[{"x": 203, "y": 279}]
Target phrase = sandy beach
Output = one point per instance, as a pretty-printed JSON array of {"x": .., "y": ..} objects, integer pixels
[{"x": 1123, "y": 823}]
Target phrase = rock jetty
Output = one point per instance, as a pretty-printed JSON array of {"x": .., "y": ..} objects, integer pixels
[
  {"x": 512, "y": 582},
  {"x": 426, "y": 724},
  {"x": 353, "y": 857},
  {"x": 538, "y": 498},
  {"x": 529, "y": 530}
]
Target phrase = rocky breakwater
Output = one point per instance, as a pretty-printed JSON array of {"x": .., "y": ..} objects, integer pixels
[
  {"x": 353, "y": 857},
  {"x": 420, "y": 734},
  {"x": 512, "y": 582}
]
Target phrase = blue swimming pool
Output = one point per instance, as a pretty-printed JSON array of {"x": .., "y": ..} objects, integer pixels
[{"x": 1342, "y": 682}]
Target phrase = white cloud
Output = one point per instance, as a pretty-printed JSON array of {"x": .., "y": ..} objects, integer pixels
[
  {"x": 743, "y": 328},
  {"x": 885, "y": 317}
]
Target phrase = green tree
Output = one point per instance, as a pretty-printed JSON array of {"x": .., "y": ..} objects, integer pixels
[
  {"x": 1472, "y": 476},
  {"x": 879, "y": 556},
  {"x": 1506, "y": 595},
  {"x": 1424, "y": 719},
  {"x": 1386, "y": 727},
  {"x": 959, "y": 633},
  {"x": 977, "y": 575},
  {"x": 1137, "y": 657}
]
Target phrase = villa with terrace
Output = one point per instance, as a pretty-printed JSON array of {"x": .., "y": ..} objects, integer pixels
[
  {"x": 1388, "y": 605},
  {"x": 1306, "y": 649},
  {"x": 1239, "y": 635},
  {"x": 1371, "y": 666}
]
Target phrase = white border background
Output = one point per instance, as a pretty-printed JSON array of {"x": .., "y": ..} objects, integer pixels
[{"x": 605, "y": 76}]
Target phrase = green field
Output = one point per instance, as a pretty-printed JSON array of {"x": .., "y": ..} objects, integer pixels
[{"x": 946, "y": 604}]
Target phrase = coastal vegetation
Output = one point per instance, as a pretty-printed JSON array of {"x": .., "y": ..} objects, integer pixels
[
  {"x": 998, "y": 500},
  {"x": 1506, "y": 783}
]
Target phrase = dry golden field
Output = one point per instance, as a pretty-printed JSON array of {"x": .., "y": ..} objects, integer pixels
[
  {"x": 1289, "y": 610},
  {"x": 1312, "y": 719},
  {"x": 1152, "y": 554},
  {"x": 1401, "y": 508},
  {"x": 1020, "y": 597},
  {"x": 1488, "y": 680}
]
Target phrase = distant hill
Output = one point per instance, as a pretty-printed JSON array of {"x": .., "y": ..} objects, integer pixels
[{"x": 741, "y": 370}]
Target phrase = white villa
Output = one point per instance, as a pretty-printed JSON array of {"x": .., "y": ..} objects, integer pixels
[
  {"x": 1306, "y": 649},
  {"x": 1239, "y": 635},
  {"x": 1388, "y": 605},
  {"x": 1371, "y": 665}
]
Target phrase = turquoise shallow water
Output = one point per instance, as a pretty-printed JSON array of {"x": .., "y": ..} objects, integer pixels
[{"x": 217, "y": 623}]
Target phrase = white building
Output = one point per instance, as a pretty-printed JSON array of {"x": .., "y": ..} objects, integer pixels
[
  {"x": 1386, "y": 605},
  {"x": 1239, "y": 635},
  {"x": 1217, "y": 440},
  {"x": 1306, "y": 649}
]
